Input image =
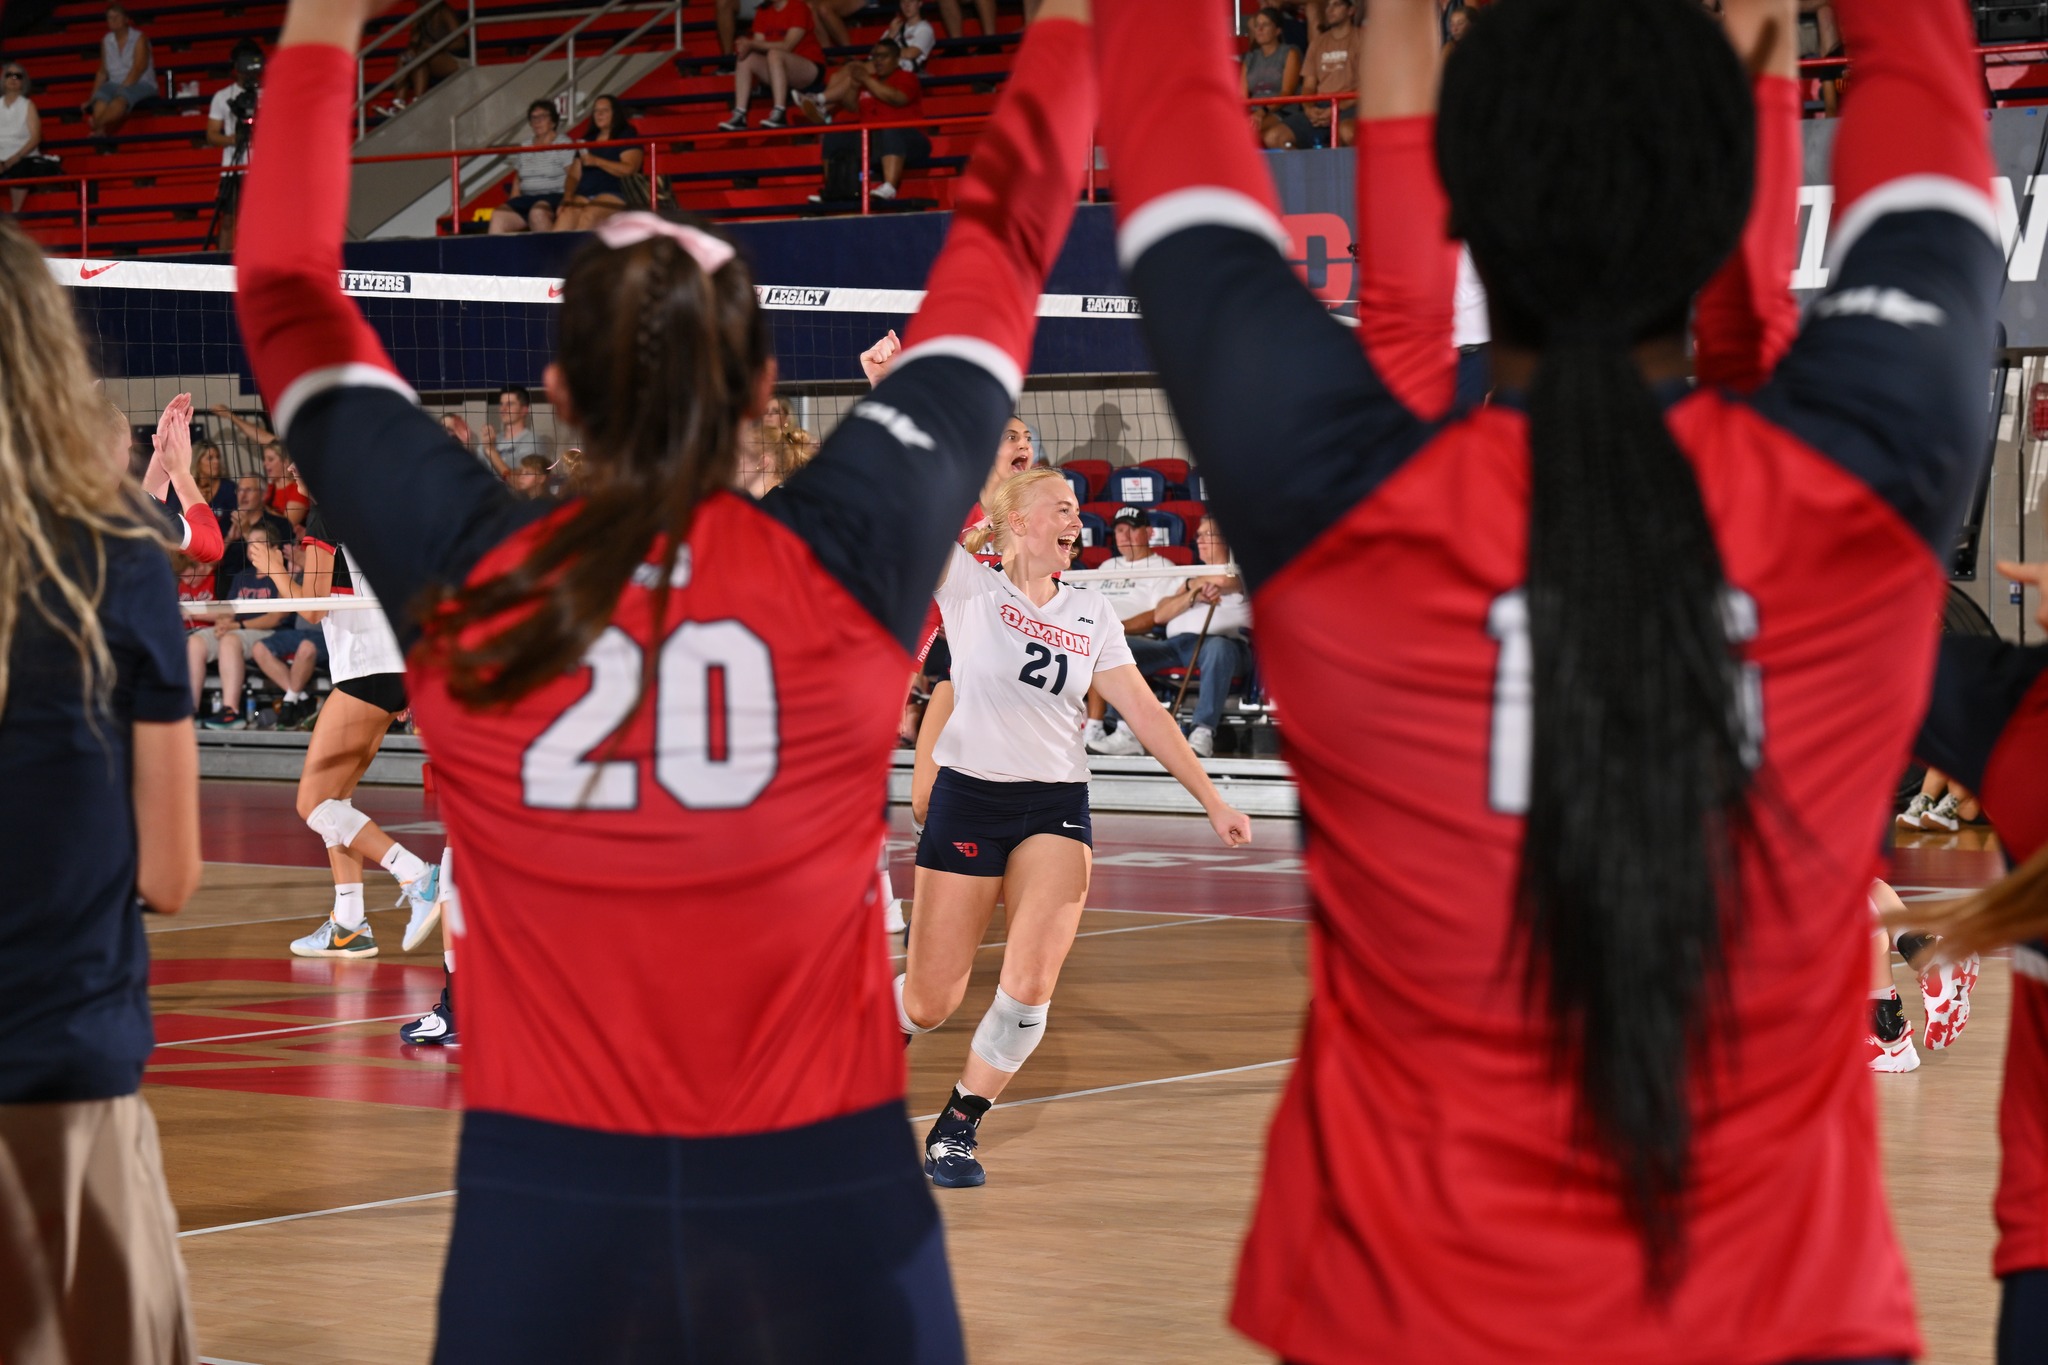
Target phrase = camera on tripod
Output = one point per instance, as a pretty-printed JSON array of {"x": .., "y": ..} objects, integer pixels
[{"x": 248, "y": 59}]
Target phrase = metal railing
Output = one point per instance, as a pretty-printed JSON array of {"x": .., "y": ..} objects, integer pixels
[
  {"x": 568, "y": 39},
  {"x": 363, "y": 97}
]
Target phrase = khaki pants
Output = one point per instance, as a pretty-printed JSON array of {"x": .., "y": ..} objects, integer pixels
[{"x": 89, "y": 1265}]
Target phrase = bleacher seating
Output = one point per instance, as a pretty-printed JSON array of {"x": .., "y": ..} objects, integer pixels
[
  {"x": 1094, "y": 532},
  {"x": 1096, "y": 472},
  {"x": 1137, "y": 486},
  {"x": 1176, "y": 472},
  {"x": 1077, "y": 482},
  {"x": 165, "y": 177}
]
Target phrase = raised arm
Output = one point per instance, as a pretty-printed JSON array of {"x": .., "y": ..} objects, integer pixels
[
  {"x": 1746, "y": 317},
  {"x": 1407, "y": 263},
  {"x": 1199, "y": 234},
  {"x": 883, "y": 501},
  {"x": 1888, "y": 375},
  {"x": 356, "y": 431}
]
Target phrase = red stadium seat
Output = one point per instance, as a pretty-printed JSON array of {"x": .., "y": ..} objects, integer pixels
[
  {"x": 1179, "y": 554},
  {"x": 1106, "y": 510},
  {"x": 1189, "y": 512},
  {"x": 1176, "y": 472},
  {"x": 1095, "y": 471},
  {"x": 1092, "y": 556}
]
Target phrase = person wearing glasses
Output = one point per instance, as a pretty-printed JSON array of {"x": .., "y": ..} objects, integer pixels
[
  {"x": 878, "y": 90},
  {"x": 21, "y": 134}
]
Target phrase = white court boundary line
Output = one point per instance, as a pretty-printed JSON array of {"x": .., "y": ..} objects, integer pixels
[
  {"x": 923, "y": 1118},
  {"x": 1135, "y": 928},
  {"x": 298, "y": 1028},
  {"x": 226, "y": 923}
]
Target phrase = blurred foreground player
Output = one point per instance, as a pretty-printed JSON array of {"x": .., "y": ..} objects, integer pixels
[
  {"x": 99, "y": 796},
  {"x": 660, "y": 713},
  {"x": 1618, "y": 630},
  {"x": 1988, "y": 726}
]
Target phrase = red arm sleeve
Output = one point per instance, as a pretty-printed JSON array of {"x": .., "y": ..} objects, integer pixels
[
  {"x": 1912, "y": 132},
  {"x": 1012, "y": 211},
  {"x": 204, "y": 543},
  {"x": 1407, "y": 266},
  {"x": 1179, "y": 146},
  {"x": 1746, "y": 317},
  {"x": 302, "y": 334}
]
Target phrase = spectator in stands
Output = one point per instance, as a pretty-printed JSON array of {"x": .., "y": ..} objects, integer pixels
[
  {"x": 729, "y": 15},
  {"x": 255, "y": 435},
  {"x": 228, "y": 641},
  {"x": 911, "y": 31},
  {"x": 1133, "y": 600},
  {"x": 21, "y": 133},
  {"x": 1821, "y": 36},
  {"x": 252, "y": 510},
  {"x": 289, "y": 657},
  {"x": 505, "y": 450},
  {"x": 224, "y": 129},
  {"x": 1458, "y": 23},
  {"x": 530, "y": 479},
  {"x": 884, "y": 91},
  {"x": 126, "y": 77},
  {"x": 1271, "y": 68},
  {"x": 539, "y": 176},
  {"x": 596, "y": 187},
  {"x": 207, "y": 477},
  {"x": 830, "y": 17},
  {"x": 1206, "y": 620},
  {"x": 436, "y": 21},
  {"x": 287, "y": 497},
  {"x": 455, "y": 426},
  {"x": 783, "y": 51},
  {"x": 1336, "y": 58},
  {"x": 949, "y": 15}
]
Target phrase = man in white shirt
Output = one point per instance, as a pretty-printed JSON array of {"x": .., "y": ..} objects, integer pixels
[
  {"x": 1133, "y": 600},
  {"x": 1206, "y": 620},
  {"x": 223, "y": 128}
]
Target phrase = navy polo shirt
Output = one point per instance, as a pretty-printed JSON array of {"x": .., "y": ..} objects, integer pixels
[{"x": 74, "y": 967}]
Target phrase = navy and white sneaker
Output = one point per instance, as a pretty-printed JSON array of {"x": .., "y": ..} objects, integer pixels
[
  {"x": 435, "y": 1028},
  {"x": 949, "y": 1147}
]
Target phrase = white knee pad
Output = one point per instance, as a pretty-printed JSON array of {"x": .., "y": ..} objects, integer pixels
[
  {"x": 337, "y": 823},
  {"x": 903, "y": 1020},
  {"x": 1009, "y": 1032}
]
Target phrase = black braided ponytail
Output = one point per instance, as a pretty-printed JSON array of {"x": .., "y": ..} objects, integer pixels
[
  {"x": 662, "y": 362},
  {"x": 1599, "y": 158}
]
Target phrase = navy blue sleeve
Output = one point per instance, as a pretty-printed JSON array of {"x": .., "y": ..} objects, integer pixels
[
  {"x": 1979, "y": 681},
  {"x": 145, "y": 632},
  {"x": 413, "y": 507},
  {"x": 1287, "y": 420},
  {"x": 882, "y": 503},
  {"x": 1889, "y": 375}
]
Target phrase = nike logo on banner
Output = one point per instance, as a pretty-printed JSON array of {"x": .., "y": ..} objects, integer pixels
[
  {"x": 554, "y": 291},
  {"x": 85, "y": 274},
  {"x": 1068, "y": 824}
]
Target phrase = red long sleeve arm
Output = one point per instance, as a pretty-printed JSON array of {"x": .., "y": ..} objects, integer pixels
[
  {"x": 1912, "y": 133},
  {"x": 1746, "y": 317},
  {"x": 301, "y": 332},
  {"x": 1178, "y": 143},
  {"x": 203, "y": 539},
  {"x": 1012, "y": 210},
  {"x": 1407, "y": 265}
]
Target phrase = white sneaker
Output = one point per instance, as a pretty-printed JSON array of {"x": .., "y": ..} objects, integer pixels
[
  {"x": 1910, "y": 816},
  {"x": 885, "y": 190},
  {"x": 814, "y": 105},
  {"x": 1203, "y": 741},
  {"x": 1121, "y": 744},
  {"x": 426, "y": 898},
  {"x": 1943, "y": 815},
  {"x": 331, "y": 940},
  {"x": 1899, "y": 1054},
  {"x": 1945, "y": 995},
  {"x": 1095, "y": 733},
  {"x": 893, "y": 920}
]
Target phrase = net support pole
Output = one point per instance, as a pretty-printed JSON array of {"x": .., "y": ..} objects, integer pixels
[
  {"x": 866, "y": 185},
  {"x": 1091, "y": 166},
  {"x": 455, "y": 193},
  {"x": 84, "y": 219}
]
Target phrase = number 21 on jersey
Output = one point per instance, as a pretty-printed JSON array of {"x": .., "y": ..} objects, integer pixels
[
  {"x": 1514, "y": 695},
  {"x": 716, "y": 739}
]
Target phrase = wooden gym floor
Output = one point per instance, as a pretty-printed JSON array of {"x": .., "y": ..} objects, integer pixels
[{"x": 311, "y": 1155}]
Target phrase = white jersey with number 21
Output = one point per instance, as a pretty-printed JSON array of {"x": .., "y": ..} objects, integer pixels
[{"x": 1021, "y": 674}]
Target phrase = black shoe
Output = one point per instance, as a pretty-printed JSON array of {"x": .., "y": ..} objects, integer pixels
[
  {"x": 435, "y": 1028},
  {"x": 949, "y": 1147}
]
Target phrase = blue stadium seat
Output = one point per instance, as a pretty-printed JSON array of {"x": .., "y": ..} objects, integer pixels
[
  {"x": 1077, "y": 482},
  {"x": 1094, "y": 530},
  {"x": 1167, "y": 529}
]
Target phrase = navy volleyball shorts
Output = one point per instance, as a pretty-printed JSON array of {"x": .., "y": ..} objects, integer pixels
[
  {"x": 817, "y": 1245},
  {"x": 972, "y": 825}
]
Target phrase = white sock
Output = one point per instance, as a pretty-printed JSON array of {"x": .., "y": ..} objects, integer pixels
[
  {"x": 402, "y": 864},
  {"x": 295, "y": 696},
  {"x": 448, "y": 958},
  {"x": 1094, "y": 732},
  {"x": 348, "y": 905}
]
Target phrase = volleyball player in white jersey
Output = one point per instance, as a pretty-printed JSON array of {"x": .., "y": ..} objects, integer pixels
[
  {"x": 369, "y": 692},
  {"x": 1009, "y": 809}
]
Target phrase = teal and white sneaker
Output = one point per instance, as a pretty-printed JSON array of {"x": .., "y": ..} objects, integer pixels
[
  {"x": 424, "y": 896},
  {"x": 331, "y": 940}
]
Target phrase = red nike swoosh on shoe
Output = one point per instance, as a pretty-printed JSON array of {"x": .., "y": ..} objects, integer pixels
[{"x": 85, "y": 274}]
